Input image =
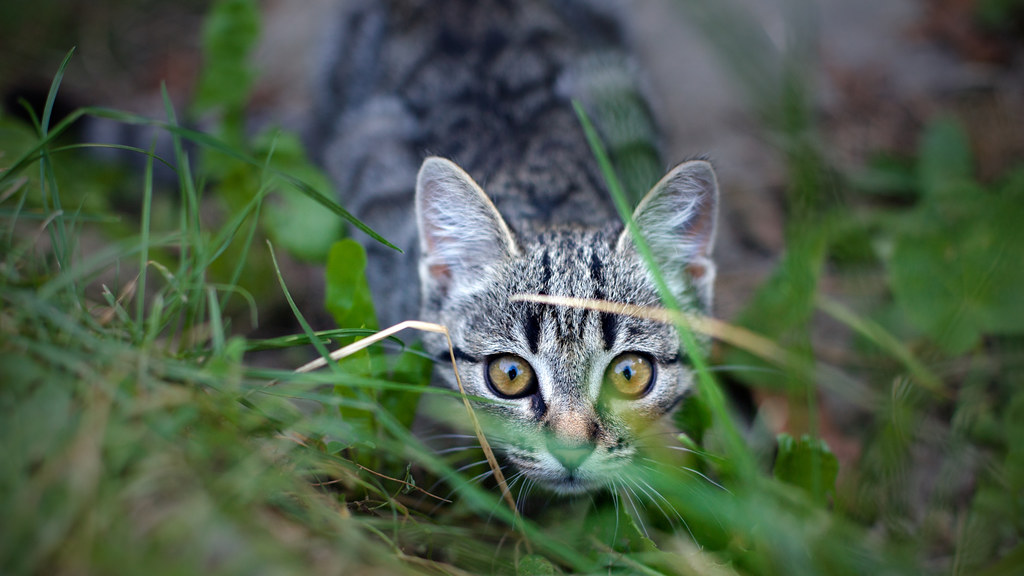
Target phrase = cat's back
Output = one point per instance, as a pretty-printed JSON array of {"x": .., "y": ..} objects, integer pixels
[{"x": 486, "y": 83}]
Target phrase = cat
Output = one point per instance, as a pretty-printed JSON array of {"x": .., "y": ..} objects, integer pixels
[{"x": 448, "y": 127}]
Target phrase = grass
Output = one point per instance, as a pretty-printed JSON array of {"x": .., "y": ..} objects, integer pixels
[{"x": 144, "y": 431}]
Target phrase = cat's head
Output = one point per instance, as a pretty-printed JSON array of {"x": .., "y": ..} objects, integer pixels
[{"x": 571, "y": 390}]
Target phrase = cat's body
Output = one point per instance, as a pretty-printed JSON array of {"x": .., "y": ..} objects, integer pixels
[
  {"x": 484, "y": 83},
  {"x": 487, "y": 84}
]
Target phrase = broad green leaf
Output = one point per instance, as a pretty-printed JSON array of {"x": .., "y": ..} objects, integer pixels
[
  {"x": 808, "y": 464},
  {"x": 536, "y": 565},
  {"x": 958, "y": 273},
  {"x": 887, "y": 175},
  {"x": 348, "y": 296},
  {"x": 1001, "y": 247},
  {"x": 409, "y": 368},
  {"x": 944, "y": 156},
  {"x": 349, "y": 302},
  {"x": 955, "y": 268},
  {"x": 230, "y": 32}
]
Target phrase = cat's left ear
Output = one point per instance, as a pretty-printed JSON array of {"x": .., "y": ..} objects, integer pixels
[
  {"x": 677, "y": 219},
  {"x": 461, "y": 232}
]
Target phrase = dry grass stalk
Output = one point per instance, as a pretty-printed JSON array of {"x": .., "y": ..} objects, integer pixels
[{"x": 437, "y": 329}]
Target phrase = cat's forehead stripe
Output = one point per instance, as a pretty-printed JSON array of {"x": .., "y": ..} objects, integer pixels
[
  {"x": 531, "y": 327},
  {"x": 576, "y": 268},
  {"x": 609, "y": 327},
  {"x": 609, "y": 322},
  {"x": 545, "y": 270},
  {"x": 596, "y": 271}
]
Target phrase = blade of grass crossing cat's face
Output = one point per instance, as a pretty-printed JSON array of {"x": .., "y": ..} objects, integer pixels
[{"x": 571, "y": 391}]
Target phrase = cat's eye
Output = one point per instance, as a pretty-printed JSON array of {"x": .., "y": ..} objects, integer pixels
[
  {"x": 630, "y": 374},
  {"x": 509, "y": 376}
]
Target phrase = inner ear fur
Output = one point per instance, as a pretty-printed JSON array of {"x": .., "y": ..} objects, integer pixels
[
  {"x": 677, "y": 219},
  {"x": 460, "y": 229}
]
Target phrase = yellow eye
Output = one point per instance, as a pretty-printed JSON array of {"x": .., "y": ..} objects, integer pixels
[
  {"x": 509, "y": 376},
  {"x": 631, "y": 374}
]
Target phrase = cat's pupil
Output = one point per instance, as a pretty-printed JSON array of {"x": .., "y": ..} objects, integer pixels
[
  {"x": 512, "y": 373},
  {"x": 628, "y": 373}
]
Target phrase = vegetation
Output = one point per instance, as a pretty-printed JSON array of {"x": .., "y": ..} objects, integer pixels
[{"x": 142, "y": 431}]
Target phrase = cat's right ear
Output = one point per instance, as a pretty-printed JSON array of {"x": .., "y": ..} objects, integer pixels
[
  {"x": 461, "y": 232},
  {"x": 677, "y": 219}
]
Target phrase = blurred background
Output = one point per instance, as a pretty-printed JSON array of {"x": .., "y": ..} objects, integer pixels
[
  {"x": 875, "y": 72},
  {"x": 871, "y": 161}
]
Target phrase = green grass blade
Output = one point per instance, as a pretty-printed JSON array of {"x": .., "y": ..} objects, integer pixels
[
  {"x": 738, "y": 453},
  {"x": 144, "y": 230},
  {"x": 51, "y": 193},
  {"x": 108, "y": 146},
  {"x": 35, "y": 153},
  {"x": 884, "y": 340},
  {"x": 213, "y": 143},
  {"x": 51, "y": 96}
]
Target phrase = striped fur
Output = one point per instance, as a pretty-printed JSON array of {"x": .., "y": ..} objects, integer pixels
[
  {"x": 520, "y": 208},
  {"x": 468, "y": 288}
]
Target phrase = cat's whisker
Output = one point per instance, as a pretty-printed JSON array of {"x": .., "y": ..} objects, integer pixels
[
  {"x": 614, "y": 485},
  {"x": 465, "y": 467},
  {"x": 482, "y": 476},
  {"x": 511, "y": 481},
  {"x": 448, "y": 437},
  {"x": 706, "y": 477},
  {"x": 661, "y": 471},
  {"x": 627, "y": 490},
  {"x": 447, "y": 496},
  {"x": 687, "y": 450},
  {"x": 454, "y": 449},
  {"x": 519, "y": 496},
  {"x": 639, "y": 485},
  {"x": 691, "y": 471},
  {"x": 744, "y": 368},
  {"x": 643, "y": 486},
  {"x": 452, "y": 478},
  {"x": 524, "y": 493},
  {"x": 645, "y": 436},
  {"x": 498, "y": 503},
  {"x": 669, "y": 505},
  {"x": 674, "y": 434}
]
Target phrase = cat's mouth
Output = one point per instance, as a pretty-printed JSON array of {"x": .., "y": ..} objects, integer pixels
[
  {"x": 557, "y": 478},
  {"x": 571, "y": 483}
]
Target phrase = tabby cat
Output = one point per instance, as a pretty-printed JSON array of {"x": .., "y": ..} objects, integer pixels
[{"x": 448, "y": 127}]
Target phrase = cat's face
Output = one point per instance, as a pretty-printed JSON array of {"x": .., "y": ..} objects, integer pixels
[{"x": 570, "y": 391}]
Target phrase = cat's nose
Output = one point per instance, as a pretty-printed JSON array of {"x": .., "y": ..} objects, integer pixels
[{"x": 571, "y": 456}]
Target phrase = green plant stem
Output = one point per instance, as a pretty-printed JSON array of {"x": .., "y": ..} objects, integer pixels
[{"x": 738, "y": 454}]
